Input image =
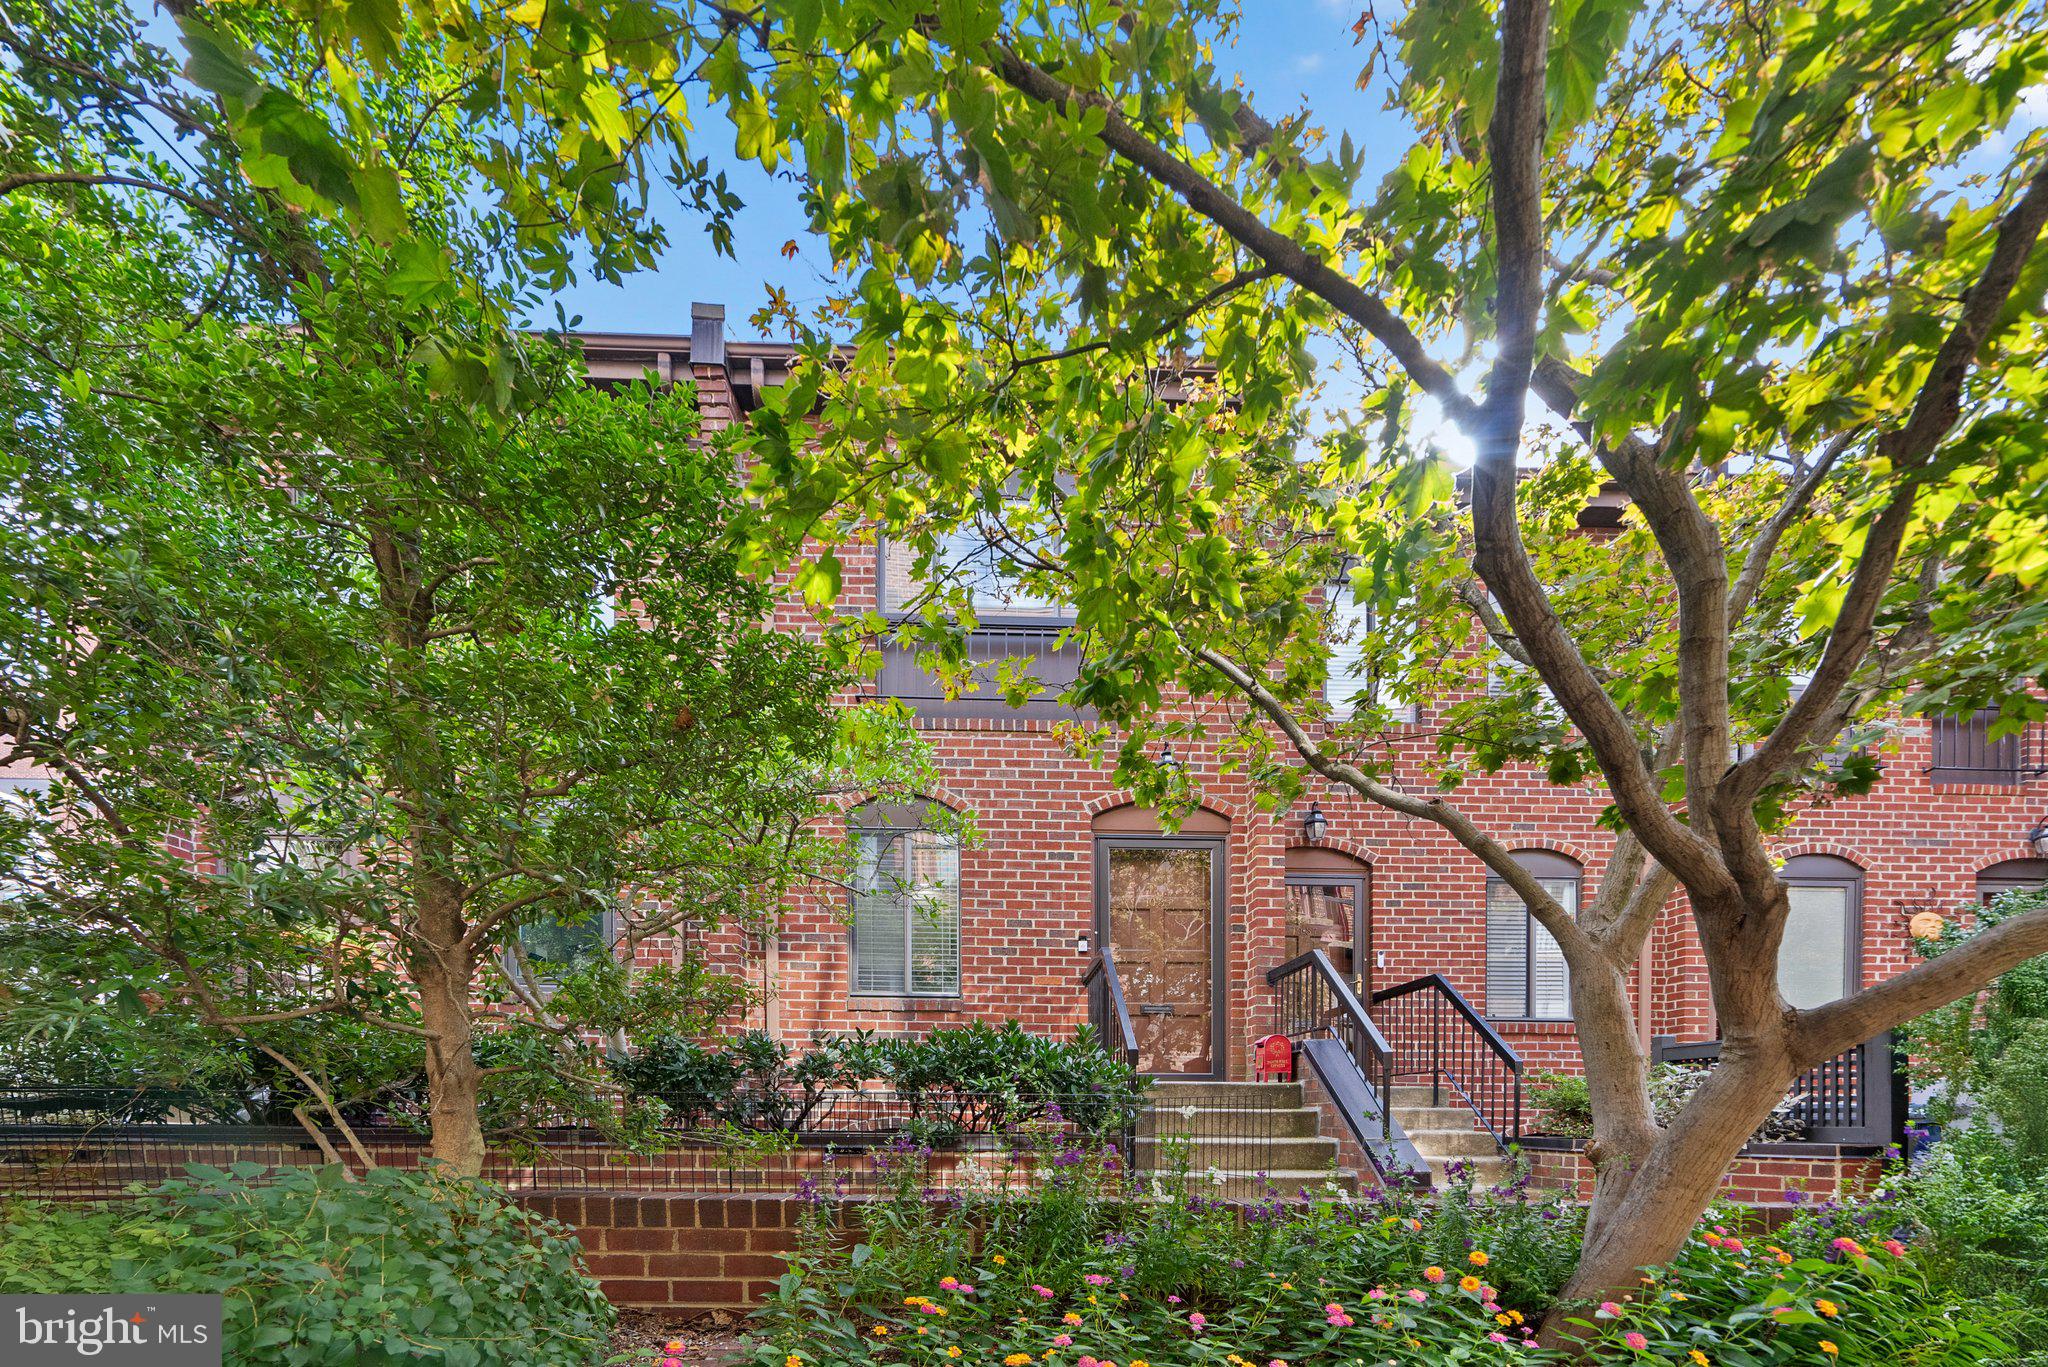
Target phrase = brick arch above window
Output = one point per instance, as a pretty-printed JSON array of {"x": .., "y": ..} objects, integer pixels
[
  {"x": 1124, "y": 797},
  {"x": 1335, "y": 845},
  {"x": 1785, "y": 854},
  {"x": 1130, "y": 819},
  {"x": 1560, "y": 849}
]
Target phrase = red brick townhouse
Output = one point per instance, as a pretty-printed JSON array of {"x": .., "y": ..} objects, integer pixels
[{"x": 1196, "y": 918}]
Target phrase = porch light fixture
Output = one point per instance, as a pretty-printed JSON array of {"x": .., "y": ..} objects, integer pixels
[
  {"x": 1082, "y": 944},
  {"x": 1167, "y": 759},
  {"x": 2037, "y": 839},
  {"x": 1315, "y": 825}
]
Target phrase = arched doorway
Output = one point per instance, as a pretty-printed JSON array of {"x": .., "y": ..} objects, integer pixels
[
  {"x": 1329, "y": 907},
  {"x": 1159, "y": 901}
]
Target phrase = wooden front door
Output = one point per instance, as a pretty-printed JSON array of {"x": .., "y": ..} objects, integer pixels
[{"x": 1158, "y": 900}]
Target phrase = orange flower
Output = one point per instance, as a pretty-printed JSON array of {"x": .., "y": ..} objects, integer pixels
[
  {"x": 1828, "y": 1308},
  {"x": 1828, "y": 1346},
  {"x": 1468, "y": 1282},
  {"x": 1432, "y": 1274},
  {"x": 1477, "y": 1257}
]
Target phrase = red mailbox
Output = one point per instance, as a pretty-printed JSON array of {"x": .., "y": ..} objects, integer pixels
[{"x": 1273, "y": 1059}]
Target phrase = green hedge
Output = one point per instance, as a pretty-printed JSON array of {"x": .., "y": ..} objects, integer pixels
[{"x": 398, "y": 1267}]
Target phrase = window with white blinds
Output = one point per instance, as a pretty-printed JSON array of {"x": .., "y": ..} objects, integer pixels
[
  {"x": 1350, "y": 675},
  {"x": 906, "y": 914},
  {"x": 1525, "y": 969}
]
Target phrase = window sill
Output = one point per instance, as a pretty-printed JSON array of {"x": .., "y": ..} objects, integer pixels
[
  {"x": 910, "y": 1006},
  {"x": 1530, "y": 1025}
]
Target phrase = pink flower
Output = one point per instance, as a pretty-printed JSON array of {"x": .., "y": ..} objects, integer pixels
[
  {"x": 1062, "y": 1340},
  {"x": 1339, "y": 1321},
  {"x": 1732, "y": 1245},
  {"x": 1635, "y": 1340},
  {"x": 1497, "y": 1337},
  {"x": 1893, "y": 1247},
  {"x": 671, "y": 1362},
  {"x": 1197, "y": 1320},
  {"x": 1085, "y": 1361},
  {"x": 1417, "y": 1294},
  {"x": 1173, "y": 1300},
  {"x": 1044, "y": 1292},
  {"x": 1096, "y": 1279},
  {"x": 1610, "y": 1309},
  {"x": 1378, "y": 1293}
]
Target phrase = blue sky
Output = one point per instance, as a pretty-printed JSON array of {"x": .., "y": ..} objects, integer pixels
[{"x": 1289, "y": 52}]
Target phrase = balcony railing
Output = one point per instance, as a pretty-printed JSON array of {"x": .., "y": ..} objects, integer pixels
[
  {"x": 1963, "y": 751},
  {"x": 1051, "y": 665}
]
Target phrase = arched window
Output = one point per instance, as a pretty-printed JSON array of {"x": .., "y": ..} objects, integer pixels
[
  {"x": 2013, "y": 875},
  {"x": 906, "y": 904},
  {"x": 1525, "y": 972},
  {"x": 1821, "y": 957}
]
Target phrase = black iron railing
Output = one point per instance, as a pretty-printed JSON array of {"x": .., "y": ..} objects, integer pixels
[
  {"x": 1962, "y": 751},
  {"x": 1439, "y": 1041},
  {"x": 1315, "y": 1008},
  {"x": 1108, "y": 1012},
  {"x": 1857, "y": 1098}
]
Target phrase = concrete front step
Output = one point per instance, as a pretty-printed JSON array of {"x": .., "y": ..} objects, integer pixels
[
  {"x": 1434, "y": 1117},
  {"x": 1198, "y": 1121},
  {"x": 1295, "y": 1154},
  {"x": 1285, "y": 1185},
  {"x": 1484, "y": 1172},
  {"x": 1229, "y": 1095},
  {"x": 1451, "y": 1143}
]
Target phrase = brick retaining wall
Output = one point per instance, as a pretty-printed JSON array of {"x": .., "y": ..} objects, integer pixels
[
  {"x": 1759, "y": 1177},
  {"x": 692, "y": 1253}
]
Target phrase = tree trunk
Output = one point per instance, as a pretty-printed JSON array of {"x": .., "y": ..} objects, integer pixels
[
  {"x": 1650, "y": 1217},
  {"x": 1617, "y": 1073},
  {"x": 442, "y": 969}
]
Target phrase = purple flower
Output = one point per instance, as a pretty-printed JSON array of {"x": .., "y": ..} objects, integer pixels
[{"x": 1794, "y": 1196}]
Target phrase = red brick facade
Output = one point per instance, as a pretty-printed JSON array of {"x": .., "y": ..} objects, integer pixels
[{"x": 1027, "y": 889}]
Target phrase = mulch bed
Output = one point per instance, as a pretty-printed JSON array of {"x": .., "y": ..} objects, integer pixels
[{"x": 708, "y": 1340}]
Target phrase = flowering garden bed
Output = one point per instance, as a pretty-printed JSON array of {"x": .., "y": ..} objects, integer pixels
[{"x": 1087, "y": 1272}]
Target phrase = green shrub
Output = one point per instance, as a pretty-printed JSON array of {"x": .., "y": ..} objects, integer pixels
[
  {"x": 973, "y": 1078},
  {"x": 397, "y": 1268},
  {"x": 1565, "y": 1102}
]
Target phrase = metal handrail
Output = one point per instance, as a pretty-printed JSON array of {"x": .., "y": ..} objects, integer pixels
[
  {"x": 1350, "y": 1056},
  {"x": 1347, "y": 1000},
  {"x": 1118, "y": 1013},
  {"x": 1441, "y": 1062}
]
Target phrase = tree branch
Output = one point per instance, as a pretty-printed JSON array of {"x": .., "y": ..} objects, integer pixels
[
  {"x": 1907, "y": 450},
  {"x": 1827, "y": 1030},
  {"x": 1545, "y": 908}
]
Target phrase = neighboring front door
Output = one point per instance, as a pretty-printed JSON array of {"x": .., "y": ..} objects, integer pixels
[
  {"x": 1157, "y": 900},
  {"x": 1331, "y": 912}
]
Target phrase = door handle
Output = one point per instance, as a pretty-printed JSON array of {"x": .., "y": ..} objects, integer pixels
[{"x": 1149, "y": 1010}]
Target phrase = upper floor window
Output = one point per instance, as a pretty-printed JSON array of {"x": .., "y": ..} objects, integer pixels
[
  {"x": 24, "y": 854},
  {"x": 981, "y": 558},
  {"x": 1820, "y": 959},
  {"x": 1351, "y": 676},
  {"x": 557, "y": 946},
  {"x": 1965, "y": 753},
  {"x": 906, "y": 904},
  {"x": 1525, "y": 968}
]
